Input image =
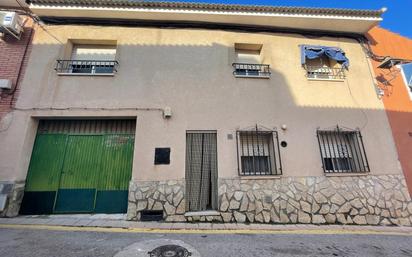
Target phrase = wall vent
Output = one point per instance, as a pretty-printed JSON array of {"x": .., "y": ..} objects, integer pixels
[{"x": 151, "y": 215}]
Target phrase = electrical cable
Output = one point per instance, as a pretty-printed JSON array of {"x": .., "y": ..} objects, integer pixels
[
  {"x": 359, "y": 106},
  {"x": 36, "y": 19},
  {"x": 89, "y": 109}
]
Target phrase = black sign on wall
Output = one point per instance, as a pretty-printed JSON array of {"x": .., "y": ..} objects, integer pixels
[{"x": 162, "y": 155}]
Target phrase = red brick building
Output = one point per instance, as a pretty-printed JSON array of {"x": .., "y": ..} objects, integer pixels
[{"x": 14, "y": 56}]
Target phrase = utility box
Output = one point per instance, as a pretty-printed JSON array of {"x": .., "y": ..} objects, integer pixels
[
  {"x": 6, "y": 83},
  {"x": 11, "y": 23}
]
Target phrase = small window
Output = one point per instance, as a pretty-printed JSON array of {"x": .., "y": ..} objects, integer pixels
[
  {"x": 248, "y": 61},
  {"x": 258, "y": 152},
  {"x": 324, "y": 63},
  {"x": 407, "y": 76},
  {"x": 342, "y": 151},
  {"x": 162, "y": 156},
  {"x": 89, "y": 59}
]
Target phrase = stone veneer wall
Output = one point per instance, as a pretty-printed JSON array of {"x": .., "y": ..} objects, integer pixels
[
  {"x": 362, "y": 200},
  {"x": 157, "y": 195},
  {"x": 14, "y": 192}
]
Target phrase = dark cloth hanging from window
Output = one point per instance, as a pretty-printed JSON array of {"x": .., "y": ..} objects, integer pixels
[
  {"x": 314, "y": 52},
  {"x": 201, "y": 171}
]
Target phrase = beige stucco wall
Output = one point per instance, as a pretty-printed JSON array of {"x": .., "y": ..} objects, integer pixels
[{"x": 190, "y": 71}]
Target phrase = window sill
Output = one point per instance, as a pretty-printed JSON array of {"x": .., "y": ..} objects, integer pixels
[
  {"x": 86, "y": 74},
  {"x": 253, "y": 76},
  {"x": 348, "y": 174},
  {"x": 258, "y": 177},
  {"x": 319, "y": 79}
]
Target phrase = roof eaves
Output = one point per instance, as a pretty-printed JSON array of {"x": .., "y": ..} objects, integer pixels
[{"x": 213, "y": 7}]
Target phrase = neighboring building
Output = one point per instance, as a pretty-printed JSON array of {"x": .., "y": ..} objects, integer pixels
[
  {"x": 393, "y": 69},
  {"x": 15, "y": 47},
  {"x": 188, "y": 111}
]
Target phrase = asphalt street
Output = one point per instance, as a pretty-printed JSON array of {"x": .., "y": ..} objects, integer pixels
[{"x": 22, "y": 242}]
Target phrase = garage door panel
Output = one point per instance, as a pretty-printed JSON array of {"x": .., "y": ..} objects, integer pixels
[
  {"x": 82, "y": 162},
  {"x": 117, "y": 161},
  {"x": 111, "y": 201},
  {"x": 46, "y": 163},
  {"x": 37, "y": 203},
  {"x": 80, "y": 166},
  {"x": 75, "y": 200}
]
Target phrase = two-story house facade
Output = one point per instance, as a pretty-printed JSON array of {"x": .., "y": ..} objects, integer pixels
[{"x": 187, "y": 112}]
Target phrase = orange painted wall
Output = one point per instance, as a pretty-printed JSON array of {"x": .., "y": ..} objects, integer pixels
[{"x": 397, "y": 102}]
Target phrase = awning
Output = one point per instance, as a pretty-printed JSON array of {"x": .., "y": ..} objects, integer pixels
[{"x": 334, "y": 53}]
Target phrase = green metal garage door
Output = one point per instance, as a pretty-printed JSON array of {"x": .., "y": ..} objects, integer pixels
[{"x": 80, "y": 166}]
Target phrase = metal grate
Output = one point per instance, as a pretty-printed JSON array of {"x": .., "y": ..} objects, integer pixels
[
  {"x": 108, "y": 126},
  {"x": 251, "y": 70},
  {"x": 151, "y": 215},
  {"x": 170, "y": 251},
  {"x": 86, "y": 67},
  {"x": 258, "y": 152},
  {"x": 323, "y": 72},
  {"x": 342, "y": 151}
]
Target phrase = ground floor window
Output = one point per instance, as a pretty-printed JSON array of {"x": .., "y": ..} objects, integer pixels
[
  {"x": 342, "y": 151},
  {"x": 258, "y": 152}
]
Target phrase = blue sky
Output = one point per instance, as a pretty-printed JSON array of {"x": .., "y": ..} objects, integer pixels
[{"x": 398, "y": 18}]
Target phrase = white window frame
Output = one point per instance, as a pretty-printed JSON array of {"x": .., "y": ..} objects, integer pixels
[{"x": 405, "y": 81}]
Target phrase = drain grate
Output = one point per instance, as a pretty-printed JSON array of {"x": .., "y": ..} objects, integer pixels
[{"x": 169, "y": 251}]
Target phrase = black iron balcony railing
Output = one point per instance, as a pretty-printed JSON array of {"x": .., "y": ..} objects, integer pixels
[
  {"x": 86, "y": 67},
  {"x": 251, "y": 70},
  {"x": 321, "y": 72}
]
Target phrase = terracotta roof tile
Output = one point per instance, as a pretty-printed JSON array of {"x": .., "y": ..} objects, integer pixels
[{"x": 214, "y": 7}]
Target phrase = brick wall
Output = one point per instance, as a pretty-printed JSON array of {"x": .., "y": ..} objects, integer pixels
[{"x": 13, "y": 54}]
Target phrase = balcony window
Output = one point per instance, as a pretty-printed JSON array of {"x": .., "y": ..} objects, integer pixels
[
  {"x": 324, "y": 63},
  {"x": 248, "y": 62},
  {"x": 342, "y": 151},
  {"x": 89, "y": 60},
  {"x": 258, "y": 152}
]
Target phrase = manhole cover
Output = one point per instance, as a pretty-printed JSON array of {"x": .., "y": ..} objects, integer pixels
[
  {"x": 159, "y": 248},
  {"x": 170, "y": 251}
]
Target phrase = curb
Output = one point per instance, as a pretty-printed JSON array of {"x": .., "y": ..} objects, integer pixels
[{"x": 318, "y": 230}]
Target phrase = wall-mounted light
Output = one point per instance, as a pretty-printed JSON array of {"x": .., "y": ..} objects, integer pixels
[{"x": 167, "y": 112}]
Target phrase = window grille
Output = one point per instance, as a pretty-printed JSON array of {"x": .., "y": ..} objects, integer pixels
[
  {"x": 251, "y": 70},
  {"x": 342, "y": 151},
  {"x": 86, "y": 67},
  {"x": 258, "y": 152},
  {"x": 324, "y": 68},
  {"x": 324, "y": 72}
]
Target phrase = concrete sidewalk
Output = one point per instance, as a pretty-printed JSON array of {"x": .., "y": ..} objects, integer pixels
[{"x": 119, "y": 222}]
